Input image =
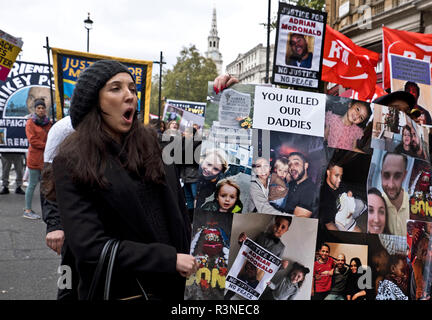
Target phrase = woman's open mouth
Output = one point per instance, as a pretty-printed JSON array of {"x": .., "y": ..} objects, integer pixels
[{"x": 128, "y": 115}]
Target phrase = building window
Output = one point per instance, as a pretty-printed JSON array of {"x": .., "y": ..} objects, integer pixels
[
  {"x": 379, "y": 8},
  {"x": 395, "y": 3}
]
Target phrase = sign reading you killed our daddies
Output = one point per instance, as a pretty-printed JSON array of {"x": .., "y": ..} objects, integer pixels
[{"x": 292, "y": 111}]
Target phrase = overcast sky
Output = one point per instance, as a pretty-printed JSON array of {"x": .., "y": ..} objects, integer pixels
[{"x": 136, "y": 29}]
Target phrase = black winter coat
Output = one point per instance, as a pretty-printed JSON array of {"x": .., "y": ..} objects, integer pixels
[{"x": 92, "y": 216}]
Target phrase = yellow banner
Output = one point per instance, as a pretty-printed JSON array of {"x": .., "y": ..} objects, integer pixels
[{"x": 68, "y": 64}]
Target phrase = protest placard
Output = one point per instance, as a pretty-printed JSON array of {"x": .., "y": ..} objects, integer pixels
[
  {"x": 26, "y": 82},
  {"x": 299, "y": 46},
  {"x": 289, "y": 111},
  {"x": 251, "y": 270}
]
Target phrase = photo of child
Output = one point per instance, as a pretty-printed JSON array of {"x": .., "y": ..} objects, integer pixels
[
  {"x": 226, "y": 198},
  {"x": 345, "y": 122},
  {"x": 285, "y": 237},
  {"x": 278, "y": 187}
]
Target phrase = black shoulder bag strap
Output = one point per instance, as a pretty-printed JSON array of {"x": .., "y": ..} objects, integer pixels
[{"x": 99, "y": 268}]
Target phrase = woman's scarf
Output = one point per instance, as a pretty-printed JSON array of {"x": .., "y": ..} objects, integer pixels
[{"x": 40, "y": 121}]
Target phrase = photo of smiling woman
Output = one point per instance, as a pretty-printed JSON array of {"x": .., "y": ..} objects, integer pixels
[
  {"x": 111, "y": 183},
  {"x": 377, "y": 212},
  {"x": 345, "y": 122}
]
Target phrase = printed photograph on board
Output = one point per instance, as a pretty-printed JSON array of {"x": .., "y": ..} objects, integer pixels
[
  {"x": 395, "y": 131},
  {"x": 210, "y": 245},
  {"x": 298, "y": 46},
  {"x": 287, "y": 173},
  {"x": 358, "y": 266},
  {"x": 224, "y": 177},
  {"x": 420, "y": 259},
  {"x": 421, "y": 191},
  {"x": 228, "y": 114},
  {"x": 389, "y": 192},
  {"x": 343, "y": 194},
  {"x": 345, "y": 122},
  {"x": 289, "y": 239}
]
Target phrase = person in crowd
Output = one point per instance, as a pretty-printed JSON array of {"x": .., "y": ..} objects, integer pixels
[
  {"x": 189, "y": 168},
  {"x": 377, "y": 212},
  {"x": 322, "y": 274},
  {"x": 393, "y": 172},
  {"x": 37, "y": 127},
  {"x": 211, "y": 169},
  {"x": 391, "y": 287},
  {"x": 54, "y": 231},
  {"x": 343, "y": 131},
  {"x": 406, "y": 145},
  {"x": 414, "y": 89},
  {"x": 227, "y": 198},
  {"x": 353, "y": 289},
  {"x": 289, "y": 285},
  {"x": 300, "y": 199},
  {"x": 278, "y": 188},
  {"x": 339, "y": 279},
  {"x": 110, "y": 183},
  {"x": 17, "y": 159},
  {"x": 158, "y": 125},
  {"x": 300, "y": 55},
  {"x": 172, "y": 128},
  {"x": 259, "y": 188}
]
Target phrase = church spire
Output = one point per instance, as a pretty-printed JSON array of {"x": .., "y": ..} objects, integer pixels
[{"x": 213, "y": 44}]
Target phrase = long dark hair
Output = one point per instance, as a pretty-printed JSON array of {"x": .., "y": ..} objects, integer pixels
[{"x": 85, "y": 151}]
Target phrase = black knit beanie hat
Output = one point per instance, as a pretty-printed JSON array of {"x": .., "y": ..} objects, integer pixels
[{"x": 86, "y": 93}]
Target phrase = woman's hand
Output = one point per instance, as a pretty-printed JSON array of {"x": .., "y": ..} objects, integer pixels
[
  {"x": 223, "y": 81},
  {"x": 55, "y": 240},
  {"x": 186, "y": 264}
]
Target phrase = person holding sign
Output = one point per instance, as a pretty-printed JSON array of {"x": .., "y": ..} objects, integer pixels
[
  {"x": 270, "y": 240},
  {"x": 111, "y": 183},
  {"x": 343, "y": 131}
]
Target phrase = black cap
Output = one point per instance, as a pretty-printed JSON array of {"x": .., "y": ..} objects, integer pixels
[
  {"x": 397, "y": 95},
  {"x": 86, "y": 93}
]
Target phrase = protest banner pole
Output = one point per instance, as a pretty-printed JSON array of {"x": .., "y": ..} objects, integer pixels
[
  {"x": 48, "y": 48},
  {"x": 160, "y": 62},
  {"x": 268, "y": 44}
]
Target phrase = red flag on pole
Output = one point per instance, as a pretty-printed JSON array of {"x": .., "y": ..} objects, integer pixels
[
  {"x": 348, "y": 64},
  {"x": 404, "y": 43}
]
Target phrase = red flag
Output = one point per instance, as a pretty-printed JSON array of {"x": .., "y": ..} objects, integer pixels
[
  {"x": 379, "y": 92},
  {"x": 404, "y": 43},
  {"x": 348, "y": 64}
]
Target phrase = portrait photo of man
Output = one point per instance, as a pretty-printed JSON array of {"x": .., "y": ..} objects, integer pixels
[{"x": 298, "y": 52}]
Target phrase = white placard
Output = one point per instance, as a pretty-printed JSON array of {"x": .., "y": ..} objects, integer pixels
[{"x": 292, "y": 111}]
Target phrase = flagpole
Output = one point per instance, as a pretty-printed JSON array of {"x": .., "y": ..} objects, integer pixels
[{"x": 48, "y": 48}]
